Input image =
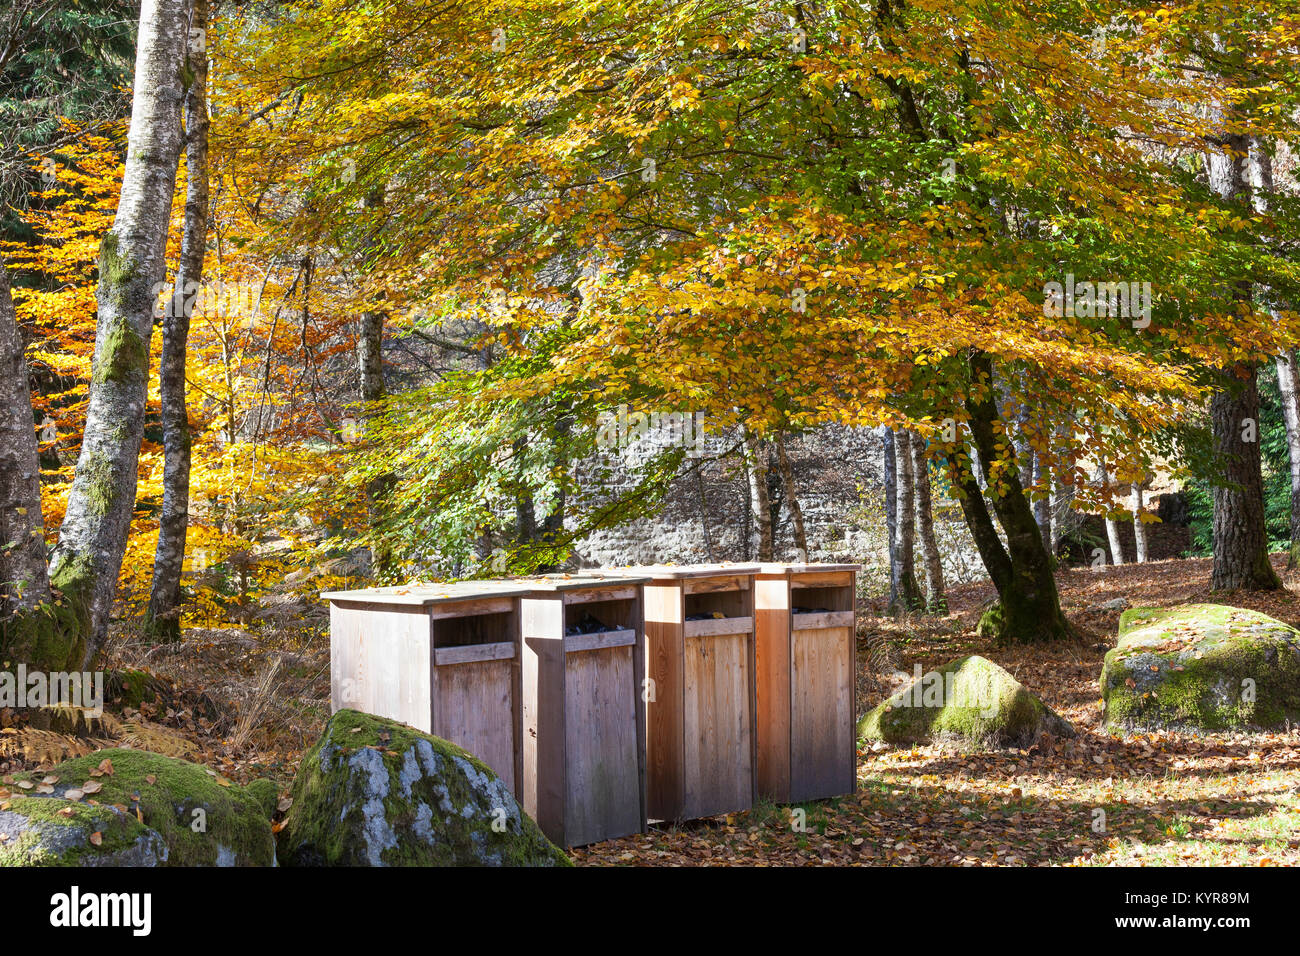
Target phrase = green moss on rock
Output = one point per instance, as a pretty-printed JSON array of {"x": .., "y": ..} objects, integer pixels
[
  {"x": 200, "y": 821},
  {"x": 1201, "y": 667},
  {"x": 971, "y": 702},
  {"x": 47, "y": 832},
  {"x": 374, "y": 792}
]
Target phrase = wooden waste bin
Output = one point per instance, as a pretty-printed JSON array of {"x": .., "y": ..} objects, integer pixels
[
  {"x": 805, "y": 628},
  {"x": 583, "y": 664},
  {"x": 699, "y": 624},
  {"x": 443, "y": 658}
]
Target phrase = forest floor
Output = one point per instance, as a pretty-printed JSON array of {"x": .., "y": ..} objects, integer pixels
[{"x": 249, "y": 705}]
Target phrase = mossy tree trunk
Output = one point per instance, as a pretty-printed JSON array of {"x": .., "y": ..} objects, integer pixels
[
  {"x": 132, "y": 267},
  {"x": 24, "y": 581},
  {"x": 169, "y": 557},
  {"x": 1028, "y": 608},
  {"x": 936, "y": 599}
]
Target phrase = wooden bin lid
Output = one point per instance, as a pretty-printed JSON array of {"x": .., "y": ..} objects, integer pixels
[
  {"x": 660, "y": 572},
  {"x": 550, "y": 583},
  {"x": 797, "y": 568},
  {"x": 427, "y": 595}
]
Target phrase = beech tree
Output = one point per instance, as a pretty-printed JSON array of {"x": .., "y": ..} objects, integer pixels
[
  {"x": 169, "y": 559},
  {"x": 92, "y": 537}
]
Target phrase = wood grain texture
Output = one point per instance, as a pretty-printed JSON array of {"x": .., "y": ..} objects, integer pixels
[
  {"x": 812, "y": 622},
  {"x": 473, "y": 704},
  {"x": 772, "y": 687},
  {"x": 542, "y": 679},
  {"x": 821, "y": 713},
  {"x": 601, "y": 745},
  {"x": 663, "y": 635},
  {"x": 717, "y": 725},
  {"x": 469, "y": 653},
  {"x": 595, "y": 642},
  {"x": 715, "y": 626}
]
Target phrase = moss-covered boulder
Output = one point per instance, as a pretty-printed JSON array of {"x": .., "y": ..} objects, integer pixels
[
  {"x": 1201, "y": 667},
  {"x": 968, "y": 702},
  {"x": 133, "y": 808},
  {"x": 374, "y": 792}
]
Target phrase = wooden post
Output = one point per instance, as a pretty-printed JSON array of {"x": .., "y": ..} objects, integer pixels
[
  {"x": 700, "y": 662},
  {"x": 583, "y": 724},
  {"x": 806, "y": 640}
]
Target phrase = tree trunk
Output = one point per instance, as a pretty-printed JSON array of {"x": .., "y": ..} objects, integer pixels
[
  {"x": 792, "y": 500},
  {"x": 1043, "y": 506},
  {"x": 909, "y": 594},
  {"x": 132, "y": 265},
  {"x": 936, "y": 600},
  {"x": 1139, "y": 528},
  {"x": 890, "y": 477},
  {"x": 1028, "y": 608},
  {"x": 1240, "y": 541},
  {"x": 1287, "y": 380},
  {"x": 169, "y": 558},
  {"x": 24, "y": 581},
  {"x": 756, "y": 465},
  {"x": 1288, "y": 376},
  {"x": 1112, "y": 526}
]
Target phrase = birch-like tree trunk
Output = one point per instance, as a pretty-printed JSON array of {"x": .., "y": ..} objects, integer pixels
[
  {"x": 169, "y": 557},
  {"x": 1288, "y": 377},
  {"x": 1112, "y": 526},
  {"x": 1043, "y": 505},
  {"x": 909, "y": 593},
  {"x": 1139, "y": 528},
  {"x": 936, "y": 599},
  {"x": 890, "y": 478},
  {"x": 1288, "y": 382},
  {"x": 756, "y": 466},
  {"x": 792, "y": 500},
  {"x": 132, "y": 266},
  {"x": 24, "y": 582}
]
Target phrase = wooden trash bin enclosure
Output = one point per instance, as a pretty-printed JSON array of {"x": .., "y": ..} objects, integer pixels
[
  {"x": 806, "y": 638},
  {"x": 583, "y": 665},
  {"x": 443, "y": 658},
  {"x": 699, "y": 625}
]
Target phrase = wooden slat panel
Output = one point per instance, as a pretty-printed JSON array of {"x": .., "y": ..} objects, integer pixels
[
  {"x": 380, "y": 662},
  {"x": 604, "y": 779},
  {"x": 719, "y": 626},
  {"x": 731, "y": 582},
  {"x": 471, "y": 608},
  {"x": 824, "y": 619},
  {"x": 663, "y": 632},
  {"x": 587, "y": 595},
  {"x": 498, "y": 651},
  {"x": 772, "y": 687},
  {"x": 474, "y": 709},
  {"x": 718, "y": 742},
  {"x": 823, "y": 579},
  {"x": 595, "y": 642},
  {"x": 821, "y": 721}
]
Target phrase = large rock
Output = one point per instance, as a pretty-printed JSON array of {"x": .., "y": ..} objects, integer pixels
[
  {"x": 1201, "y": 667},
  {"x": 971, "y": 702},
  {"x": 373, "y": 792},
  {"x": 134, "y": 808}
]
